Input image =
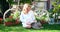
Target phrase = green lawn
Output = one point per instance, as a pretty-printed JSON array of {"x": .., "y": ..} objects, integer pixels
[{"x": 19, "y": 28}]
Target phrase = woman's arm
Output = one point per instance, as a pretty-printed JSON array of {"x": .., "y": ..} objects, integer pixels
[
  {"x": 22, "y": 18},
  {"x": 33, "y": 16}
]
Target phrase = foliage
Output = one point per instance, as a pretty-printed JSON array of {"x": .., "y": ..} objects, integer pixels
[
  {"x": 25, "y": 1},
  {"x": 42, "y": 15},
  {"x": 10, "y": 1},
  {"x": 21, "y": 1},
  {"x": 16, "y": 15},
  {"x": 9, "y": 20},
  {"x": 55, "y": 8}
]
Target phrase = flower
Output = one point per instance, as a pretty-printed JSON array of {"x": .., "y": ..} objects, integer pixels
[
  {"x": 1, "y": 19},
  {"x": 10, "y": 16}
]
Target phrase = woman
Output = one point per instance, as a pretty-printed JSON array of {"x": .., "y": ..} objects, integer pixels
[{"x": 27, "y": 16}]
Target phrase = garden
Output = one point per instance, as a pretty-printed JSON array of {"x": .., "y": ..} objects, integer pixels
[{"x": 50, "y": 18}]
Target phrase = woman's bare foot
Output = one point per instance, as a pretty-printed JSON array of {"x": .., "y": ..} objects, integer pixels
[{"x": 28, "y": 26}]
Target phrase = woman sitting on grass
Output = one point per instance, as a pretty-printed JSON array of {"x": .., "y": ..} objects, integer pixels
[{"x": 27, "y": 16}]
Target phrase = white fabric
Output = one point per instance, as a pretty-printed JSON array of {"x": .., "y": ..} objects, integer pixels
[{"x": 27, "y": 18}]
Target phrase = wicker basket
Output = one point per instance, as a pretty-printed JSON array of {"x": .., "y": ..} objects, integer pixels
[
  {"x": 16, "y": 22},
  {"x": 5, "y": 15}
]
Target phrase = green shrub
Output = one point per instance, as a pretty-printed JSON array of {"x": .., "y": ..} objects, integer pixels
[{"x": 9, "y": 20}]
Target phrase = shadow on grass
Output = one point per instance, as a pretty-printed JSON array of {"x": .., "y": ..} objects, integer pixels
[{"x": 51, "y": 27}]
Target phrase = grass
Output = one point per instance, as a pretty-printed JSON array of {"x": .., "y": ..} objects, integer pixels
[{"x": 19, "y": 28}]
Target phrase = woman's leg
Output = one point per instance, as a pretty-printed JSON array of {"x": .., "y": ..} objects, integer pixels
[
  {"x": 26, "y": 25},
  {"x": 29, "y": 26}
]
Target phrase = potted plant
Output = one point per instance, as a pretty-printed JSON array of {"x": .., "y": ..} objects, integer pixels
[
  {"x": 9, "y": 21},
  {"x": 16, "y": 20},
  {"x": 42, "y": 21},
  {"x": 15, "y": 15}
]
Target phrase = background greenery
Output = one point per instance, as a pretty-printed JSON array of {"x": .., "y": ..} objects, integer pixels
[{"x": 21, "y": 1}]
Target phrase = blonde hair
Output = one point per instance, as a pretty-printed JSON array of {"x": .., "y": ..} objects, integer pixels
[{"x": 25, "y": 6}]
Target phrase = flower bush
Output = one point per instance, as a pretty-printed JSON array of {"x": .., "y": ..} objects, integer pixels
[{"x": 43, "y": 15}]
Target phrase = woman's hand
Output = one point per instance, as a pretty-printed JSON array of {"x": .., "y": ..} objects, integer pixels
[{"x": 28, "y": 23}]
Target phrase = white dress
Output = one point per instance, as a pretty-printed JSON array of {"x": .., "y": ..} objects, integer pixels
[{"x": 25, "y": 18}]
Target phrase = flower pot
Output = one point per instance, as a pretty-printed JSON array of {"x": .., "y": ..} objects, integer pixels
[
  {"x": 8, "y": 23},
  {"x": 1, "y": 20},
  {"x": 17, "y": 22}
]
